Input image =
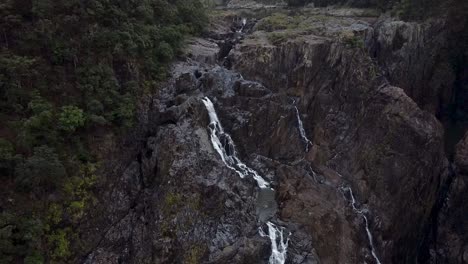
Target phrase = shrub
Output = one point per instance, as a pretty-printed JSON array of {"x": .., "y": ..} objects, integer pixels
[
  {"x": 6, "y": 156},
  {"x": 6, "y": 150},
  {"x": 43, "y": 168},
  {"x": 60, "y": 244},
  {"x": 352, "y": 40},
  {"x": 34, "y": 258},
  {"x": 279, "y": 38},
  {"x": 20, "y": 236},
  {"x": 38, "y": 105},
  {"x": 165, "y": 51},
  {"x": 71, "y": 118},
  {"x": 277, "y": 21}
]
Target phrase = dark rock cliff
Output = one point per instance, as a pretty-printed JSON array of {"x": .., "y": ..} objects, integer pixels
[
  {"x": 347, "y": 136},
  {"x": 357, "y": 121}
]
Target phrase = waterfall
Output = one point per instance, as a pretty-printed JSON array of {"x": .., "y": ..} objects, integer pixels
[
  {"x": 301, "y": 129},
  {"x": 366, "y": 222},
  {"x": 225, "y": 147},
  {"x": 244, "y": 22},
  {"x": 279, "y": 244}
]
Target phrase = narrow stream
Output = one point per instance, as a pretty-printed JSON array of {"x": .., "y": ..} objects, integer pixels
[
  {"x": 302, "y": 132},
  {"x": 266, "y": 203},
  {"x": 366, "y": 221}
]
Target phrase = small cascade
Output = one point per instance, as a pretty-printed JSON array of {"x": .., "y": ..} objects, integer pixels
[
  {"x": 301, "y": 129},
  {"x": 279, "y": 244},
  {"x": 225, "y": 147},
  {"x": 244, "y": 22},
  {"x": 266, "y": 205},
  {"x": 366, "y": 221}
]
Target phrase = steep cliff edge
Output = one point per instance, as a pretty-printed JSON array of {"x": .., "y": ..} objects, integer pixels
[
  {"x": 356, "y": 122},
  {"x": 451, "y": 234},
  {"x": 356, "y": 165}
]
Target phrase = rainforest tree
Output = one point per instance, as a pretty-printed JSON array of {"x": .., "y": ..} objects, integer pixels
[{"x": 69, "y": 68}]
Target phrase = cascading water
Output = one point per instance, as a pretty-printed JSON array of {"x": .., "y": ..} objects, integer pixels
[
  {"x": 226, "y": 150},
  {"x": 279, "y": 244},
  {"x": 301, "y": 128},
  {"x": 366, "y": 221},
  {"x": 244, "y": 22},
  {"x": 224, "y": 145}
]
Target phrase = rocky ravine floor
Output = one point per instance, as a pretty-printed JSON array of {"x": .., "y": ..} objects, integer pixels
[{"x": 355, "y": 165}]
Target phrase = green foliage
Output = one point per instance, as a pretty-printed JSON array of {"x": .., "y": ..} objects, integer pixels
[
  {"x": 71, "y": 118},
  {"x": 194, "y": 255},
  {"x": 352, "y": 40},
  {"x": 43, "y": 168},
  {"x": 277, "y": 21},
  {"x": 54, "y": 214},
  {"x": 165, "y": 51},
  {"x": 66, "y": 67},
  {"x": 6, "y": 157},
  {"x": 38, "y": 105},
  {"x": 20, "y": 236},
  {"x": 77, "y": 189},
  {"x": 279, "y": 38},
  {"x": 15, "y": 71},
  {"x": 34, "y": 258},
  {"x": 6, "y": 150},
  {"x": 291, "y": 23},
  {"x": 173, "y": 199},
  {"x": 60, "y": 244},
  {"x": 39, "y": 128}
]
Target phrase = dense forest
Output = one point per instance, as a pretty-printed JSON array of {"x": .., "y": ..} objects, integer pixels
[{"x": 70, "y": 69}]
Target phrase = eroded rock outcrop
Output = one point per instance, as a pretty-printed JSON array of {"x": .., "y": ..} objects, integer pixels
[
  {"x": 415, "y": 57},
  {"x": 357, "y": 122},
  {"x": 449, "y": 237},
  {"x": 316, "y": 117}
]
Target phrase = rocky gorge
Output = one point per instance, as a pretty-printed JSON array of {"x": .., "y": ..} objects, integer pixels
[{"x": 312, "y": 135}]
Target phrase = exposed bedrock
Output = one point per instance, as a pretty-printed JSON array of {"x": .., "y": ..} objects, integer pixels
[
  {"x": 370, "y": 132},
  {"x": 347, "y": 138}
]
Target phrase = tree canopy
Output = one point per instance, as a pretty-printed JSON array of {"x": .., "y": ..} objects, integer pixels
[{"x": 69, "y": 68}]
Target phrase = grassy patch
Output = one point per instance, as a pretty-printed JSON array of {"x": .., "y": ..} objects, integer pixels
[
  {"x": 281, "y": 21},
  {"x": 194, "y": 255},
  {"x": 352, "y": 40},
  {"x": 278, "y": 38}
]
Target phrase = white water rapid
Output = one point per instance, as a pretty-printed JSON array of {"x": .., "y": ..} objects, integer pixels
[
  {"x": 244, "y": 22},
  {"x": 279, "y": 244},
  {"x": 366, "y": 221},
  {"x": 224, "y": 145}
]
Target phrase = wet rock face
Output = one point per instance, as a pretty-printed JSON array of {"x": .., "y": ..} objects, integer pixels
[
  {"x": 356, "y": 123},
  {"x": 312, "y": 116}
]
